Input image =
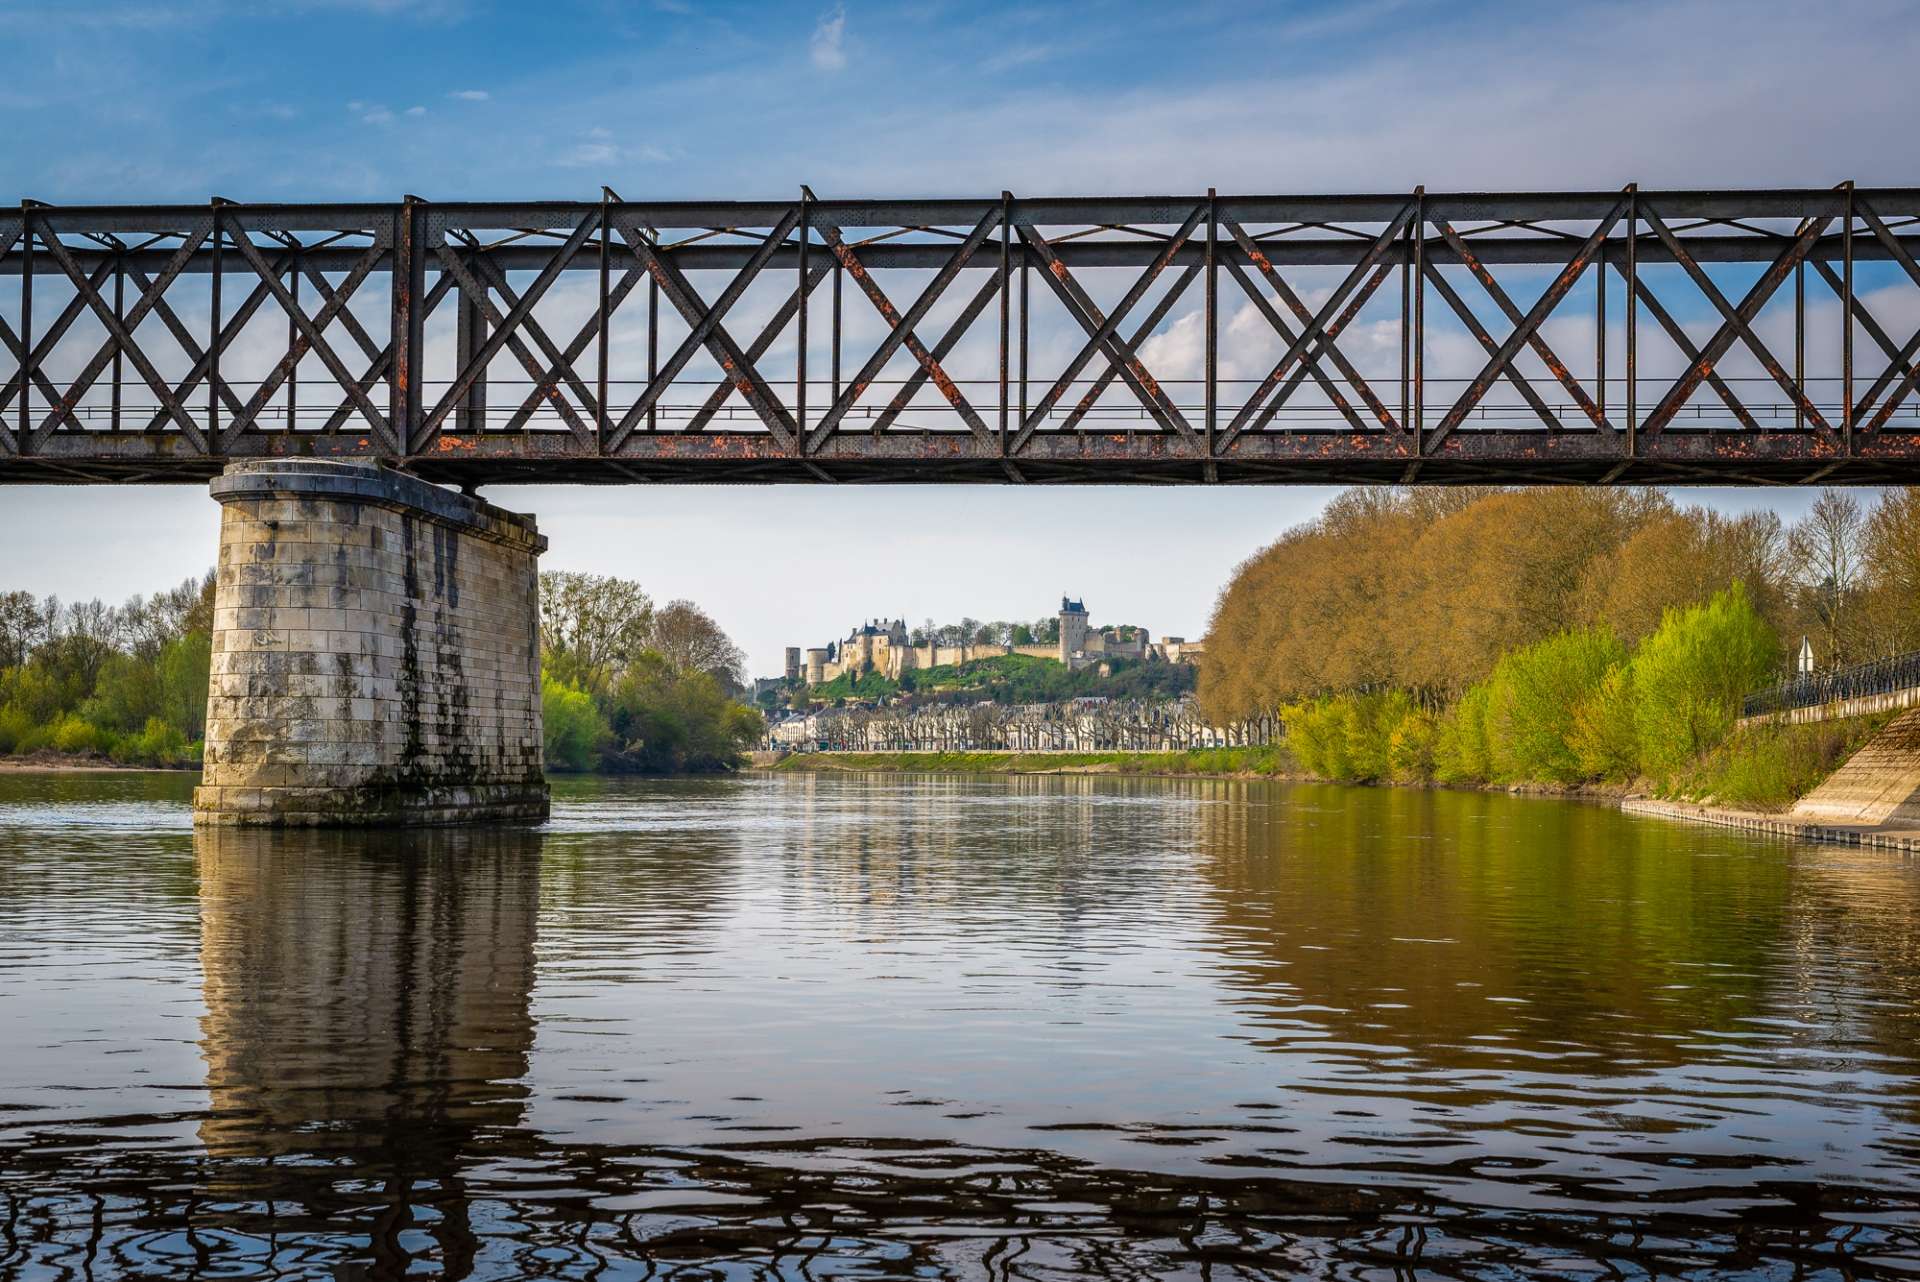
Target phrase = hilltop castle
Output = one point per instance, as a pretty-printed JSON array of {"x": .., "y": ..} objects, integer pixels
[{"x": 883, "y": 646}]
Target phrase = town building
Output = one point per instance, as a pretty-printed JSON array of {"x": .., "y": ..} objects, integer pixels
[{"x": 885, "y": 646}]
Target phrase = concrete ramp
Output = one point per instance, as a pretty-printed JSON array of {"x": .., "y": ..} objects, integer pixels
[{"x": 1879, "y": 784}]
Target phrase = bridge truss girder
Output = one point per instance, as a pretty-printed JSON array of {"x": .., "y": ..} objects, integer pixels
[{"x": 1408, "y": 338}]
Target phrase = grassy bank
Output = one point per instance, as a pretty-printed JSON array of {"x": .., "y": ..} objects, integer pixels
[
  {"x": 1769, "y": 766},
  {"x": 1267, "y": 763}
]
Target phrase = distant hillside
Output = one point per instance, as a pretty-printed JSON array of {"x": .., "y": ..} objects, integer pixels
[{"x": 1016, "y": 678}]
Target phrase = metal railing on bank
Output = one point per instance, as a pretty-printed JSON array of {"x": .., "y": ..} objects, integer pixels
[{"x": 1861, "y": 680}]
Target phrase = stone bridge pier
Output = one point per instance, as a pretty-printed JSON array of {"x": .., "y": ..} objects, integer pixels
[{"x": 376, "y": 655}]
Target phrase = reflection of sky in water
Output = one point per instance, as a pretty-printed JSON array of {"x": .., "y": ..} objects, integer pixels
[{"x": 932, "y": 1001}]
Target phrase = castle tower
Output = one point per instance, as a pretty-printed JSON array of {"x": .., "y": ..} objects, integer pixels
[
  {"x": 1073, "y": 628},
  {"x": 793, "y": 663}
]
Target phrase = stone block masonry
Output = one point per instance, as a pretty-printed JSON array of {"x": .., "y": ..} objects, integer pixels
[{"x": 376, "y": 653}]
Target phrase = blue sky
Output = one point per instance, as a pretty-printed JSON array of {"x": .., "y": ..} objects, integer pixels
[{"x": 138, "y": 100}]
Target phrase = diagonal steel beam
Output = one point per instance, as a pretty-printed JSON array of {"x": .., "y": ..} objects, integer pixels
[
  {"x": 1737, "y": 321},
  {"x": 502, "y": 328},
  {"x": 42, "y": 348},
  {"x": 120, "y": 336},
  {"x": 941, "y": 349},
  {"x": 312, "y": 331},
  {"x": 546, "y": 378},
  {"x": 1103, "y": 329},
  {"x": 1520, "y": 382},
  {"x": 1899, "y": 359},
  {"x": 1908, "y": 376},
  {"x": 1310, "y": 334},
  {"x": 1555, "y": 366},
  {"x": 380, "y": 359},
  {"x": 1524, "y": 331},
  {"x": 1311, "y": 365},
  {"x": 616, "y": 295},
  {"x": 705, "y": 330},
  {"x": 1102, "y": 332},
  {"x": 203, "y": 360},
  {"x": 902, "y": 328},
  {"x": 1298, "y": 307},
  {"x": 1681, "y": 340},
  {"x": 1141, "y": 333},
  {"x": 757, "y": 348},
  {"x": 929, "y": 363}
]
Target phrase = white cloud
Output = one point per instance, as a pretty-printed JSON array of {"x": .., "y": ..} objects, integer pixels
[
  {"x": 470, "y": 95},
  {"x": 416, "y": 111},
  {"x": 828, "y": 46}
]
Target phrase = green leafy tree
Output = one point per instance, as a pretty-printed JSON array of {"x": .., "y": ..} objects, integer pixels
[
  {"x": 1691, "y": 675},
  {"x": 1533, "y": 697},
  {"x": 572, "y": 727}
]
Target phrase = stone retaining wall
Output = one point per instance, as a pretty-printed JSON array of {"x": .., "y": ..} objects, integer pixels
[
  {"x": 376, "y": 652},
  {"x": 1781, "y": 825}
]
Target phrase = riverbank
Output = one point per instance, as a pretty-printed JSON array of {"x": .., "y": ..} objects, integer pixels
[
  {"x": 48, "y": 762},
  {"x": 1905, "y": 840},
  {"x": 1225, "y": 763}
]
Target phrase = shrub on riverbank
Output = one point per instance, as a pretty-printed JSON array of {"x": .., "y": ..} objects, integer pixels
[
  {"x": 1769, "y": 765},
  {"x": 127, "y": 682},
  {"x": 627, "y": 688}
]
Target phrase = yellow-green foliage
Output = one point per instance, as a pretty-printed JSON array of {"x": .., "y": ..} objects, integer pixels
[
  {"x": 1461, "y": 753},
  {"x": 1690, "y": 676},
  {"x": 1768, "y": 766},
  {"x": 1533, "y": 697},
  {"x": 1353, "y": 737},
  {"x": 571, "y": 726},
  {"x": 1605, "y": 736}
]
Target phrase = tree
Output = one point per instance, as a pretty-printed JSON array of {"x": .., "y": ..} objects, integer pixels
[
  {"x": 1825, "y": 551},
  {"x": 592, "y": 625},
  {"x": 1690, "y": 676},
  {"x": 690, "y": 641}
]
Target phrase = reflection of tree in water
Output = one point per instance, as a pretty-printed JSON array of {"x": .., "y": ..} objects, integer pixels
[{"x": 1470, "y": 930}]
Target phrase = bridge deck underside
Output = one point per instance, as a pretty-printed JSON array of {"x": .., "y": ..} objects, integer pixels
[
  {"x": 1630, "y": 337},
  {"x": 1479, "y": 458}
]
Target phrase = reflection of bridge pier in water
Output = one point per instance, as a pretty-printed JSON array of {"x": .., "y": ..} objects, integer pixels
[{"x": 367, "y": 1021}]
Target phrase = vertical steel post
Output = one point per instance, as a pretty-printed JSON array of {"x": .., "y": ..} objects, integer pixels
[
  {"x": 1633, "y": 316},
  {"x": 213, "y": 337},
  {"x": 836, "y": 331},
  {"x": 653, "y": 347},
  {"x": 26, "y": 321},
  {"x": 1024, "y": 298},
  {"x": 606, "y": 236},
  {"x": 293, "y": 340},
  {"x": 119, "y": 314},
  {"x": 1213, "y": 317},
  {"x": 1419, "y": 316},
  {"x": 1846, "y": 322},
  {"x": 1406, "y": 332},
  {"x": 800, "y": 367},
  {"x": 1800, "y": 344},
  {"x": 1006, "y": 304},
  {"x": 409, "y": 275},
  {"x": 1600, "y": 332}
]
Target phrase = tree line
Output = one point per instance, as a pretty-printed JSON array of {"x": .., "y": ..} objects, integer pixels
[
  {"x": 126, "y": 682},
  {"x": 1551, "y": 635},
  {"x": 628, "y": 686}
]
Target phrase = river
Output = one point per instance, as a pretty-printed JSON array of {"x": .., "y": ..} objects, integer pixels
[{"x": 832, "y": 1026}]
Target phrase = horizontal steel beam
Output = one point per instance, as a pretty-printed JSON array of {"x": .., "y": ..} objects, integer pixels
[
  {"x": 1306, "y": 457},
  {"x": 1318, "y": 252}
]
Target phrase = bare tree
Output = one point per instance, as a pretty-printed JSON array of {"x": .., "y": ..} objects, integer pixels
[
  {"x": 1824, "y": 550},
  {"x": 690, "y": 641},
  {"x": 591, "y": 626}
]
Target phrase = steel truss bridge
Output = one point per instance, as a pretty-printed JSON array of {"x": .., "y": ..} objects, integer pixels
[{"x": 1594, "y": 337}]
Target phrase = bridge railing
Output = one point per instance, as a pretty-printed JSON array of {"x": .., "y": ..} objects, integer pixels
[{"x": 1861, "y": 680}]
